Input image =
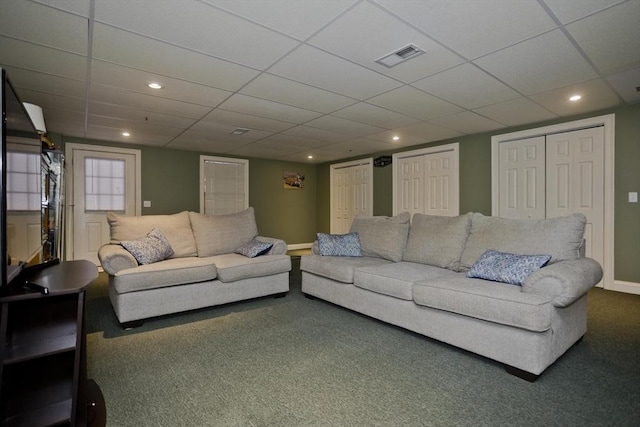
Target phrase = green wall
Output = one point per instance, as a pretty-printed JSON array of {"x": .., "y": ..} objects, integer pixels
[{"x": 475, "y": 183}]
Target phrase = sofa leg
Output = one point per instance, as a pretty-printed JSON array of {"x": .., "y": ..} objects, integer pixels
[
  {"x": 132, "y": 324},
  {"x": 311, "y": 297},
  {"x": 527, "y": 376},
  {"x": 280, "y": 295}
]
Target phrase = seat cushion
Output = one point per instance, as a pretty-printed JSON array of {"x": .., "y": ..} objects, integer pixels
[
  {"x": 170, "y": 272},
  {"x": 486, "y": 300},
  {"x": 396, "y": 279},
  {"x": 339, "y": 268},
  {"x": 176, "y": 228},
  {"x": 223, "y": 234},
  {"x": 559, "y": 237},
  {"x": 437, "y": 240},
  {"x": 234, "y": 267}
]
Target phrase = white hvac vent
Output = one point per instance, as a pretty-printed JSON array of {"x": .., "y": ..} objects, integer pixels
[{"x": 401, "y": 55}]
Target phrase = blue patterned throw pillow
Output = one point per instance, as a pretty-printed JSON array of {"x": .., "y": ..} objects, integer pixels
[
  {"x": 507, "y": 268},
  {"x": 339, "y": 244},
  {"x": 152, "y": 248},
  {"x": 254, "y": 248}
]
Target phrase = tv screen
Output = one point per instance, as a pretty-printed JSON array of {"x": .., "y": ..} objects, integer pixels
[{"x": 21, "y": 187}]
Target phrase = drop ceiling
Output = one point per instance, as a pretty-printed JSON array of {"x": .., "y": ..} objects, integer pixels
[{"x": 302, "y": 75}]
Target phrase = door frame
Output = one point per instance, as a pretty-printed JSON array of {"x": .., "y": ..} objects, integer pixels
[
  {"x": 454, "y": 147},
  {"x": 361, "y": 162},
  {"x": 608, "y": 121},
  {"x": 69, "y": 149}
]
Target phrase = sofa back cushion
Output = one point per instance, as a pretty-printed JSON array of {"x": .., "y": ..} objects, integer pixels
[
  {"x": 382, "y": 236},
  {"x": 559, "y": 237},
  {"x": 437, "y": 240},
  {"x": 176, "y": 228},
  {"x": 223, "y": 234}
]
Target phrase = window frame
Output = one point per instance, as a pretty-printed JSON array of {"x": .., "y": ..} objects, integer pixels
[{"x": 204, "y": 159}]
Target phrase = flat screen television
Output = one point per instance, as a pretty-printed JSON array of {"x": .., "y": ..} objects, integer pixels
[{"x": 22, "y": 174}]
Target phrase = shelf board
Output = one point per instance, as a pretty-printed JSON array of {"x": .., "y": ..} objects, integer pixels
[
  {"x": 54, "y": 414},
  {"x": 40, "y": 349}
]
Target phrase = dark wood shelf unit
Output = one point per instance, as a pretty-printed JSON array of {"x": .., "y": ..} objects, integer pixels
[{"x": 43, "y": 355}]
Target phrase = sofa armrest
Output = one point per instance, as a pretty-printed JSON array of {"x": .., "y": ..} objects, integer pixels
[
  {"x": 279, "y": 246},
  {"x": 566, "y": 281},
  {"x": 115, "y": 258},
  {"x": 315, "y": 248}
]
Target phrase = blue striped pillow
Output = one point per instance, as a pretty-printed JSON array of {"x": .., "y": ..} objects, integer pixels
[
  {"x": 505, "y": 267},
  {"x": 339, "y": 244}
]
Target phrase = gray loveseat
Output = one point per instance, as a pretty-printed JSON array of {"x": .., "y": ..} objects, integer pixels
[
  {"x": 203, "y": 270},
  {"x": 414, "y": 275}
]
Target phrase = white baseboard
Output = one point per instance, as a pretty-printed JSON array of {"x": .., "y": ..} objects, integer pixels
[
  {"x": 628, "y": 287},
  {"x": 297, "y": 246}
]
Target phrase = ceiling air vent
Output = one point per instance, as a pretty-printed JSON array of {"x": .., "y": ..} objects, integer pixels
[{"x": 401, "y": 55}]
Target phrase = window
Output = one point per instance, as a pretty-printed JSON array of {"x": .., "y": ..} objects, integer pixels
[
  {"x": 104, "y": 184},
  {"x": 24, "y": 181},
  {"x": 224, "y": 185}
]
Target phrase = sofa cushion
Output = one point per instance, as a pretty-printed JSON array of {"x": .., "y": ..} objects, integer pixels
[
  {"x": 437, "y": 240},
  {"x": 339, "y": 244},
  {"x": 234, "y": 267},
  {"x": 176, "y": 228},
  {"x": 507, "y": 268},
  {"x": 559, "y": 237},
  {"x": 482, "y": 299},
  {"x": 396, "y": 279},
  {"x": 170, "y": 272},
  {"x": 222, "y": 234},
  {"x": 382, "y": 236},
  {"x": 151, "y": 248},
  {"x": 254, "y": 248},
  {"x": 337, "y": 268}
]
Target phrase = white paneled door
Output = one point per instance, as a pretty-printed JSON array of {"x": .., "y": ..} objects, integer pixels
[
  {"x": 351, "y": 193},
  {"x": 102, "y": 181}
]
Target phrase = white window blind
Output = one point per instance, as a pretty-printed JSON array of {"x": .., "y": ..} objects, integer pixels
[
  {"x": 224, "y": 185},
  {"x": 24, "y": 181},
  {"x": 104, "y": 185}
]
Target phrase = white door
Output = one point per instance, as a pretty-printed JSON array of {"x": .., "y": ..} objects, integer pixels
[
  {"x": 102, "y": 181},
  {"x": 522, "y": 178},
  {"x": 425, "y": 181},
  {"x": 351, "y": 193},
  {"x": 575, "y": 182}
]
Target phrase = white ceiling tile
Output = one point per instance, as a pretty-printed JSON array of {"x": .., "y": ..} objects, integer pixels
[
  {"x": 52, "y": 101},
  {"x": 415, "y": 103},
  {"x": 467, "y": 86},
  {"x": 79, "y": 7},
  {"x": 468, "y": 122},
  {"x": 367, "y": 33},
  {"x": 146, "y": 117},
  {"x": 474, "y": 28},
  {"x": 64, "y": 122},
  {"x": 238, "y": 120},
  {"x": 251, "y": 45},
  {"x": 611, "y": 38},
  {"x": 121, "y": 47},
  {"x": 278, "y": 89},
  {"x": 570, "y": 10},
  {"x": 114, "y": 75},
  {"x": 221, "y": 131},
  {"x": 299, "y": 19},
  {"x": 428, "y": 132},
  {"x": 271, "y": 110},
  {"x": 257, "y": 150},
  {"x": 46, "y": 83},
  {"x": 317, "y": 134},
  {"x": 205, "y": 142},
  {"x": 136, "y": 128},
  {"x": 38, "y": 58},
  {"x": 337, "y": 124},
  {"x": 71, "y": 31},
  {"x": 375, "y": 116},
  {"x": 545, "y": 62},
  {"x": 596, "y": 95},
  {"x": 108, "y": 133},
  {"x": 294, "y": 142},
  {"x": 516, "y": 112},
  {"x": 111, "y": 95},
  {"x": 405, "y": 139},
  {"x": 626, "y": 84},
  {"x": 323, "y": 70}
]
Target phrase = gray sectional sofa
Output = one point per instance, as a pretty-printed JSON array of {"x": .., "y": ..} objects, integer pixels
[
  {"x": 415, "y": 275},
  {"x": 202, "y": 268}
]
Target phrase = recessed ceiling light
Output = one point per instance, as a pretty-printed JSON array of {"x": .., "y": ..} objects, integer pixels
[
  {"x": 309, "y": 157},
  {"x": 396, "y": 138},
  {"x": 126, "y": 134},
  {"x": 154, "y": 85},
  {"x": 575, "y": 98},
  {"x": 239, "y": 131}
]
